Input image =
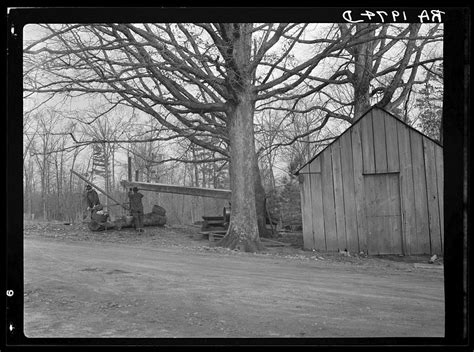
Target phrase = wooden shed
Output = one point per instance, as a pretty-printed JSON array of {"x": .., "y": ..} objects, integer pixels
[{"x": 377, "y": 188}]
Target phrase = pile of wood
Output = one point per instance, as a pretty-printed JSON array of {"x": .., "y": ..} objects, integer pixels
[{"x": 157, "y": 217}]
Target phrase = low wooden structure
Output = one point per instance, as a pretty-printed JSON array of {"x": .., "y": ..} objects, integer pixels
[
  {"x": 215, "y": 227},
  {"x": 377, "y": 188},
  {"x": 166, "y": 188}
]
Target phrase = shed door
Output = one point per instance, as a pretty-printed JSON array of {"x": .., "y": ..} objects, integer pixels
[{"x": 382, "y": 200}]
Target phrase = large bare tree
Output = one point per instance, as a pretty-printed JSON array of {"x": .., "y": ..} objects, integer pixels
[{"x": 201, "y": 81}]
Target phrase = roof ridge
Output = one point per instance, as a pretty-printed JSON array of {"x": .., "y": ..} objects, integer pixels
[{"x": 356, "y": 122}]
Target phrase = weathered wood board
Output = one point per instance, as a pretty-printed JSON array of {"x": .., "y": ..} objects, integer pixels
[
  {"x": 328, "y": 202},
  {"x": 440, "y": 184},
  {"x": 407, "y": 190},
  {"x": 380, "y": 147},
  {"x": 338, "y": 195},
  {"x": 383, "y": 213},
  {"x": 350, "y": 210},
  {"x": 379, "y": 177},
  {"x": 367, "y": 139},
  {"x": 393, "y": 161},
  {"x": 420, "y": 198},
  {"x": 432, "y": 196},
  {"x": 359, "y": 187},
  {"x": 317, "y": 212},
  {"x": 307, "y": 212}
]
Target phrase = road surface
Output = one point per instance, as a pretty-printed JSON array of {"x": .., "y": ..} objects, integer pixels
[{"x": 87, "y": 289}]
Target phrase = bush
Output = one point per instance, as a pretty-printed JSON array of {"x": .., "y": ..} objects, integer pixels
[{"x": 284, "y": 204}]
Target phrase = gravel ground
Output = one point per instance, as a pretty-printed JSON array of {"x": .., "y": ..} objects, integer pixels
[
  {"x": 183, "y": 237},
  {"x": 165, "y": 283}
]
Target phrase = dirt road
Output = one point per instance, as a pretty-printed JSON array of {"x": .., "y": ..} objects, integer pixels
[{"x": 99, "y": 289}]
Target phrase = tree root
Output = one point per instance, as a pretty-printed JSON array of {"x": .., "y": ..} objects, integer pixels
[{"x": 243, "y": 244}]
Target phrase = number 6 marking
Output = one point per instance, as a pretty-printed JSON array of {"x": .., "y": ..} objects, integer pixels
[{"x": 10, "y": 293}]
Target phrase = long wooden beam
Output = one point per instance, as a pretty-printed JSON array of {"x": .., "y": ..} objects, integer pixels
[
  {"x": 192, "y": 191},
  {"x": 98, "y": 188}
]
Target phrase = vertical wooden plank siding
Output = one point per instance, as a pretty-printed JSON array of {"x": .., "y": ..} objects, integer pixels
[
  {"x": 328, "y": 201},
  {"x": 305, "y": 169},
  {"x": 383, "y": 213},
  {"x": 432, "y": 195},
  {"x": 367, "y": 139},
  {"x": 359, "y": 187},
  {"x": 319, "y": 239},
  {"x": 338, "y": 195},
  {"x": 315, "y": 166},
  {"x": 384, "y": 208},
  {"x": 380, "y": 146},
  {"x": 421, "y": 201},
  {"x": 407, "y": 190},
  {"x": 356, "y": 179},
  {"x": 307, "y": 216},
  {"x": 369, "y": 200},
  {"x": 440, "y": 184},
  {"x": 349, "y": 193},
  {"x": 375, "y": 225},
  {"x": 202, "y": 208},
  {"x": 393, "y": 162},
  {"x": 394, "y": 220}
]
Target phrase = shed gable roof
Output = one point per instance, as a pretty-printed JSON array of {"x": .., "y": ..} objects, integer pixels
[{"x": 350, "y": 127}]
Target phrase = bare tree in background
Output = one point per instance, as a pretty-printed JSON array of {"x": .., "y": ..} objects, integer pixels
[
  {"x": 44, "y": 156},
  {"x": 388, "y": 82},
  {"x": 382, "y": 67}
]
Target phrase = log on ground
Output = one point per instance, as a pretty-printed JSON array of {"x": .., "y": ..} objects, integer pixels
[
  {"x": 149, "y": 219},
  {"x": 101, "y": 226}
]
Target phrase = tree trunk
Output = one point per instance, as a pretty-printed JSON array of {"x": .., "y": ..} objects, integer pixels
[
  {"x": 363, "y": 57},
  {"x": 112, "y": 152},
  {"x": 270, "y": 172},
  {"x": 361, "y": 101},
  {"x": 26, "y": 191},
  {"x": 195, "y": 168},
  {"x": 44, "y": 187},
  {"x": 260, "y": 202},
  {"x": 243, "y": 231}
]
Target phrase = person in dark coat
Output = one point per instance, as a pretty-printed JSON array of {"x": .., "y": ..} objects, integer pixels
[
  {"x": 136, "y": 208},
  {"x": 92, "y": 199}
]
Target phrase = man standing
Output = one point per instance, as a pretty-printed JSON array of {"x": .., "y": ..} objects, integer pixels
[
  {"x": 136, "y": 208},
  {"x": 92, "y": 199}
]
